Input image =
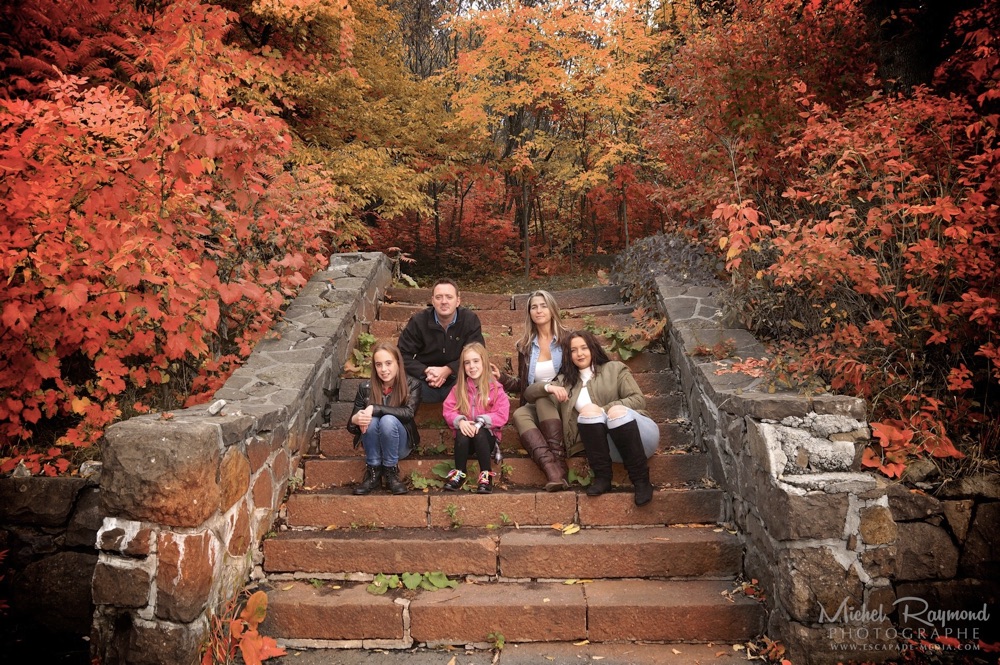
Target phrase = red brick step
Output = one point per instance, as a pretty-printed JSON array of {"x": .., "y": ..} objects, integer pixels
[{"x": 340, "y": 508}]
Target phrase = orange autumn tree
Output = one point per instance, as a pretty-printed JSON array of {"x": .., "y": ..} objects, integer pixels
[
  {"x": 154, "y": 215},
  {"x": 548, "y": 88},
  {"x": 872, "y": 250}
]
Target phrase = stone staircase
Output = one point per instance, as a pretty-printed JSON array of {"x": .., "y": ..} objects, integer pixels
[{"x": 663, "y": 573}]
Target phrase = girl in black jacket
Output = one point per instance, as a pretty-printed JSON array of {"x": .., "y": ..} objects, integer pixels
[{"x": 382, "y": 419}]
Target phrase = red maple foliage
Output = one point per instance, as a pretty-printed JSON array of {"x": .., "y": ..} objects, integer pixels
[{"x": 154, "y": 212}]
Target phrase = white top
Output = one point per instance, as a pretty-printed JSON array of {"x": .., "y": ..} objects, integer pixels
[
  {"x": 545, "y": 370},
  {"x": 584, "y": 399}
]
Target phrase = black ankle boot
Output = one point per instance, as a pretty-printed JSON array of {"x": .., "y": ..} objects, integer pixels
[
  {"x": 629, "y": 444},
  {"x": 392, "y": 481},
  {"x": 595, "y": 443},
  {"x": 371, "y": 481}
]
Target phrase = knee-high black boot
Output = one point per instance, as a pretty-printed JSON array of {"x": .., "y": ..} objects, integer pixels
[
  {"x": 629, "y": 444},
  {"x": 595, "y": 442}
]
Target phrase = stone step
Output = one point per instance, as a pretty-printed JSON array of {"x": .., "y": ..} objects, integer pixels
[
  {"x": 660, "y": 408},
  {"x": 600, "y": 611},
  {"x": 617, "y": 318},
  {"x": 340, "y": 508},
  {"x": 338, "y": 442},
  {"x": 660, "y": 552},
  {"x": 520, "y": 471},
  {"x": 568, "y": 299},
  {"x": 306, "y": 652}
]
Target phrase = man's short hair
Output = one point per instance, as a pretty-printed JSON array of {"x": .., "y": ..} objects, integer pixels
[{"x": 445, "y": 280}]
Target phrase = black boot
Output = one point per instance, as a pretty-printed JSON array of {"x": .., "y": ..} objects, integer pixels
[
  {"x": 371, "y": 481},
  {"x": 392, "y": 481},
  {"x": 629, "y": 444},
  {"x": 595, "y": 442}
]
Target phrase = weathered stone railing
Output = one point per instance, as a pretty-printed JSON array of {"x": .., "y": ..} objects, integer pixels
[
  {"x": 187, "y": 500},
  {"x": 820, "y": 535}
]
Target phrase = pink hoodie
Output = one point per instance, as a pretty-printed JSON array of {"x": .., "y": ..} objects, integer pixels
[{"x": 493, "y": 417}]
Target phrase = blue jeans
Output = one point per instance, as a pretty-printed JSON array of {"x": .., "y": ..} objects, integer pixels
[
  {"x": 386, "y": 441},
  {"x": 649, "y": 432}
]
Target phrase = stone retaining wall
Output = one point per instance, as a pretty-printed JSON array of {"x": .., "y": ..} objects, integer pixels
[
  {"x": 48, "y": 527},
  {"x": 820, "y": 535},
  {"x": 186, "y": 499}
]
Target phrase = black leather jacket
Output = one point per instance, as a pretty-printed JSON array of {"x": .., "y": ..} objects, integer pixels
[
  {"x": 406, "y": 413},
  {"x": 424, "y": 342}
]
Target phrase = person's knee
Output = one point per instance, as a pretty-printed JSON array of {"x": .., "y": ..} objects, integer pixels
[
  {"x": 617, "y": 411},
  {"x": 590, "y": 411},
  {"x": 387, "y": 422}
]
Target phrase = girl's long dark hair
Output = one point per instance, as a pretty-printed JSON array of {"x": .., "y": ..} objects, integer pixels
[
  {"x": 570, "y": 372},
  {"x": 400, "y": 391}
]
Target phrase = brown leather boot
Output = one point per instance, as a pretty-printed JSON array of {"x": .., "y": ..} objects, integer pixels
[
  {"x": 552, "y": 430},
  {"x": 538, "y": 449}
]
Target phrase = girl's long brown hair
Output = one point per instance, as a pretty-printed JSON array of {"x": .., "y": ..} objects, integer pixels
[
  {"x": 462, "y": 403},
  {"x": 400, "y": 392}
]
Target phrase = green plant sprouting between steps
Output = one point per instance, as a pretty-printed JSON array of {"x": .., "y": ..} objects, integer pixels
[
  {"x": 497, "y": 639},
  {"x": 360, "y": 363},
  {"x": 382, "y": 583},
  {"x": 451, "y": 510}
]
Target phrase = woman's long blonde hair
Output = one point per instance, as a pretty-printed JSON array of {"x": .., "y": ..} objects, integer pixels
[
  {"x": 400, "y": 392},
  {"x": 462, "y": 403},
  {"x": 558, "y": 330}
]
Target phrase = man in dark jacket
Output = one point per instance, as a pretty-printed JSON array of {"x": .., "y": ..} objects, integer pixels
[{"x": 433, "y": 339}]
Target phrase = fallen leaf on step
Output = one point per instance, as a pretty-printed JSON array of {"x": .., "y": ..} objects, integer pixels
[
  {"x": 571, "y": 529},
  {"x": 676, "y": 651},
  {"x": 558, "y": 526},
  {"x": 581, "y": 643},
  {"x": 717, "y": 530},
  {"x": 545, "y": 600},
  {"x": 571, "y": 581},
  {"x": 330, "y": 527},
  {"x": 287, "y": 587},
  {"x": 738, "y": 647},
  {"x": 665, "y": 539},
  {"x": 597, "y": 657},
  {"x": 452, "y": 661}
]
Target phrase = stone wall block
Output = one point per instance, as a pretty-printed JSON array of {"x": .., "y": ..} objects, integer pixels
[
  {"x": 907, "y": 505},
  {"x": 925, "y": 552},
  {"x": 164, "y": 643},
  {"x": 184, "y": 574},
  {"x": 238, "y": 528},
  {"x": 984, "y": 486},
  {"x": 85, "y": 520},
  {"x": 161, "y": 471},
  {"x": 877, "y": 527},
  {"x": 55, "y": 592},
  {"x": 766, "y": 406},
  {"x": 281, "y": 466},
  {"x": 262, "y": 491},
  {"x": 959, "y": 516},
  {"x": 879, "y": 561},
  {"x": 810, "y": 578},
  {"x": 765, "y": 447},
  {"x": 258, "y": 451},
  {"x": 795, "y": 515},
  {"x": 121, "y": 585},
  {"x": 981, "y": 554},
  {"x": 39, "y": 500},
  {"x": 125, "y": 536},
  {"x": 840, "y": 405},
  {"x": 234, "y": 476}
]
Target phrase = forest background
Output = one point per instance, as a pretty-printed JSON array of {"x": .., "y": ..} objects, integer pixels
[{"x": 171, "y": 171}]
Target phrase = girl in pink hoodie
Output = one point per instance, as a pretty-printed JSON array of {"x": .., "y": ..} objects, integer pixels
[{"x": 475, "y": 410}]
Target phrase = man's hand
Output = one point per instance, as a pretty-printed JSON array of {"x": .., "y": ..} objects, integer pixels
[
  {"x": 363, "y": 418},
  {"x": 468, "y": 428},
  {"x": 558, "y": 392},
  {"x": 495, "y": 371},
  {"x": 436, "y": 376}
]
